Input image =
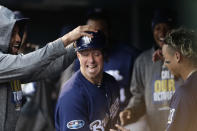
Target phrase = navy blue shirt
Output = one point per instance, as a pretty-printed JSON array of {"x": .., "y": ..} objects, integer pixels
[
  {"x": 183, "y": 112},
  {"x": 84, "y": 106},
  {"x": 120, "y": 66}
]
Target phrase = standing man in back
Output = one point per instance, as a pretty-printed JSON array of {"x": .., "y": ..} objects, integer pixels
[{"x": 152, "y": 84}]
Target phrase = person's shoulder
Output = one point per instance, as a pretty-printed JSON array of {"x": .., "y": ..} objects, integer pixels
[
  {"x": 72, "y": 86},
  {"x": 192, "y": 79},
  {"x": 188, "y": 88},
  {"x": 108, "y": 77},
  {"x": 110, "y": 80},
  {"x": 182, "y": 93},
  {"x": 145, "y": 57},
  {"x": 146, "y": 54}
]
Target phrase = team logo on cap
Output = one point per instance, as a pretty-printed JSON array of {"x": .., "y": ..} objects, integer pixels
[
  {"x": 75, "y": 124},
  {"x": 86, "y": 40}
]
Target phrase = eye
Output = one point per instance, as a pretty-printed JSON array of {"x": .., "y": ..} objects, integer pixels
[
  {"x": 167, "y": 62},
  {"x": 97, "y": 53},
  {"x": 14, "y": 32},
  {"x": 84, "y": 53},
  {"x": 157, "y": 28}
]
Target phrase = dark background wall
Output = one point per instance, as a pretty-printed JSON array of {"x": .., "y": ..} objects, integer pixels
[{"x": 130, "y": 19}]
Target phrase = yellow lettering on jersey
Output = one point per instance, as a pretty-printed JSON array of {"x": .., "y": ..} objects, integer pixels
[
  {"x": 157, "y": 86},
  {"x": 171, "y": 85}
]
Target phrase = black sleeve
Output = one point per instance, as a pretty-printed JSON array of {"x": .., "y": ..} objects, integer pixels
[{"x": 180, "y": 113}]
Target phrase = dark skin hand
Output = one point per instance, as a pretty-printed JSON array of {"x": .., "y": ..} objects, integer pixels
[
  {"x": 157, "y": 55},
  {"x": 76, "y": 33}
]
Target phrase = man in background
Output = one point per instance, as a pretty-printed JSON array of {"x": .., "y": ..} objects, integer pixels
[{"x": 152, "y": 84}]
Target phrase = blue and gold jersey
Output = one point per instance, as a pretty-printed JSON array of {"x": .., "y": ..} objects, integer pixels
[{"x": 87, "y": 107}]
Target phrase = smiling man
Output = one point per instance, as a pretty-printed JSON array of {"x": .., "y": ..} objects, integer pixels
[
  {"x": 16, "y": 68},
  {"x": 152, "y": 85},
  {"x": 89, "y": 101},
  {"x": 180, "y": 56}
]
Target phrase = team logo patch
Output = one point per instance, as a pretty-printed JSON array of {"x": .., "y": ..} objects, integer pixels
[
  {"x": 170, "y": 117},
  {"x": 75, "y": 124}
]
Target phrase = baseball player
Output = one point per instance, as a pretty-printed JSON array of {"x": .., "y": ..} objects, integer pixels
[
  {"x": 180, "y": 54},
  {"x": 89, "y": 101}
]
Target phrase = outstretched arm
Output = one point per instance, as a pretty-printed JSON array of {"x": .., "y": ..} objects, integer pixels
[{"x": 24, "y": 66}]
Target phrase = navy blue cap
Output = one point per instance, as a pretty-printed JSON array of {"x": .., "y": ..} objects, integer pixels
[
  {"x": 162, "y": 16},
  {"x": 97, "y": 42},
  {"x": 20, "y": 17}
]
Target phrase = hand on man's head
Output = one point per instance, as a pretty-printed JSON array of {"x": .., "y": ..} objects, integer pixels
[{"x": 78, "y": 32}]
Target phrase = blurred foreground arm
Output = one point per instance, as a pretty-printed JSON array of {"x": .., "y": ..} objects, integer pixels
[{"x": 25, "y": 66}]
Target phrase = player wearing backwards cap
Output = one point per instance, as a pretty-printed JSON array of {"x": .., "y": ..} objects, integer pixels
[
  {"x": 152, "y": 84},
  {"x": 34, "y": 66},
  {"x": 89, "y": 100}
]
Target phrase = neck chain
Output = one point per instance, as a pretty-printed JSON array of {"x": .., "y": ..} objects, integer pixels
[
  {"x": 191, "y": 73},
  {"x": 98, "y": 85}
]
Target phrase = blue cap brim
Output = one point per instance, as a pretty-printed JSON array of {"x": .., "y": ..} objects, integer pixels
[{"x": 23, "y": 20}]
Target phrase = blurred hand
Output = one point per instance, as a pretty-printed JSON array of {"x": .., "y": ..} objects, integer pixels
[
  {"x": 157, "y": 55},
  {"x": 121, "y": 128},
  {"x": 77, "y": 33},
  {"x": 125, "y": 117}
]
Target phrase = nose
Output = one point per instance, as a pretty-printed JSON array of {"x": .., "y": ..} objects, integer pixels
[
  {"x": 17, "y": 38},
  {"x": 91, "y": 58},
  {"x": 163, "y": 32}
]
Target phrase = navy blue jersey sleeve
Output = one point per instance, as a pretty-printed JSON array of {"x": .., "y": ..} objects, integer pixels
[
  {"x": 180, "y": 112},
  {"x": 71, "y": 113}
]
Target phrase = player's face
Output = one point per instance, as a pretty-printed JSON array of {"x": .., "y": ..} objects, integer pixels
[
  {"x": 170, "y": 61},
  {"x": 159, "y": 32},
  {"x": 91, "y": 64},
  {"x": 15, "y": 41}
]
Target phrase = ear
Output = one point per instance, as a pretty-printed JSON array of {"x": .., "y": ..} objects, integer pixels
[
  {"x": 178, "y": 56},
  {"x": 78, "y": 55}
]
